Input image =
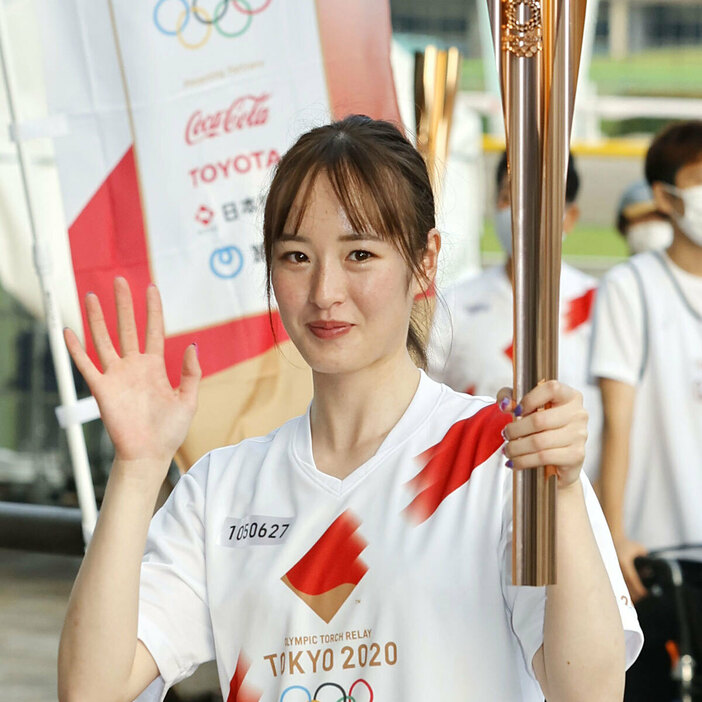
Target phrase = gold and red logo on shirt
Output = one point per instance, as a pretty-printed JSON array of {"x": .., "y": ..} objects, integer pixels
[{"x": 328, "y": 573}]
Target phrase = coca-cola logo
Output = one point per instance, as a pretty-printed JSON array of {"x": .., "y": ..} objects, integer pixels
[{"x": 244, "y": 112}]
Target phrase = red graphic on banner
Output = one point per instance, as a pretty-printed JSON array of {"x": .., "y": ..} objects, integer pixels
[
  {"x": 449, "y": 464},
  {"x": 509, "y": 351},
  {"x": 244, "y": 112},
  {"x": 115, "y": 212},
  {"x": 238, "y": 690},
  {"x": 327, "y": 574},
  {"x": 579, "y": 310}
]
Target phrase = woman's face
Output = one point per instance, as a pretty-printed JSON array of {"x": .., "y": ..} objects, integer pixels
[{"x": 345, "y": 298}]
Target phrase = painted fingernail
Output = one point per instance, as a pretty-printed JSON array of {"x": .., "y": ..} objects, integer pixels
[
  {"x": 518, "y": 411},
  {"x": 504, "y": 403},
  {"x": 197, "y": 349},
  {"x": 509, "y": 464},
  {"x": 504, "y": 450},
  {"x": 504, "y": 434}
]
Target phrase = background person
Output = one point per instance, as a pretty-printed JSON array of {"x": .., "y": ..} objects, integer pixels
[
  {"x": 647, "y": 354},
  {"x": 384, "y": 564},
  {"x": 471, "y": 345},
  {"x": 639, "y": 221}
]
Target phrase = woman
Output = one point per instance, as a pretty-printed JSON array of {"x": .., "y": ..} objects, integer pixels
[{"x": 360, "y": 551}]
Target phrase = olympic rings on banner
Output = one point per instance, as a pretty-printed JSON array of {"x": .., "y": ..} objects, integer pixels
[
  {"x": 215, "y": 19},
  {"x": 249, "y": 11},
  {"x": 208, "y": 31},
  {"x": 159, "y": 26},
  {"x": 296, "y": 687},
  {"x": 233, "y": 35}
]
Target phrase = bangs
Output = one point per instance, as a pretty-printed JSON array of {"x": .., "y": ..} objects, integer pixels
[{"x": 368, "y": 193}]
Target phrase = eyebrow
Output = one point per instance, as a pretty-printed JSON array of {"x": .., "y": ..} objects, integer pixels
[{"x": 345, "y": 237}]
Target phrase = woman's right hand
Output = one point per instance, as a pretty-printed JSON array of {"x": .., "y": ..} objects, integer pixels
[{"x": 144, "y": 416}]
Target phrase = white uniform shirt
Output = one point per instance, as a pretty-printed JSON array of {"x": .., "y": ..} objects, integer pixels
[
  {"x": 648, "y": 333},
  {"x": 471, "y": 341},
  {"x": 392, "y": 584}
]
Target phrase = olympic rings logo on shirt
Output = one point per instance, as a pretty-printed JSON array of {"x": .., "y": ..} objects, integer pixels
[
  {"x": 288, "y": 697},
  {"x": 183, "y": 11}
]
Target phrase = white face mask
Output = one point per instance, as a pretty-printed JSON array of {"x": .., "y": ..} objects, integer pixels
[
  {"x": 690, "y": 222},
  {"x": 649, "y": 236},
  {"x": 503, "y": 229}
]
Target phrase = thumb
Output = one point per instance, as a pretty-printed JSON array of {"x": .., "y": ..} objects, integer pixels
[
  {"x": 190, "y": 374},
  {"x": 504, "y": 400}
]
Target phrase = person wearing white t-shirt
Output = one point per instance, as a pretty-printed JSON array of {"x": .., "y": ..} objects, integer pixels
[
  {"x": 647, "y": 354},
  {"x": 361, "y": 551},
  {"x": 471, "y": 341}
]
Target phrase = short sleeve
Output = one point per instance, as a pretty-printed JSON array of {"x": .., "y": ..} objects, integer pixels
[
  {"x": 174, "y": 617},
  {"x": 527, "y": 605},
  {"x": 618, "y": 328}
]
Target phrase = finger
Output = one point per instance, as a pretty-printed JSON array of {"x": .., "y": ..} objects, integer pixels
[
  {"x": 83, "y": 363},
  {"x": 563, "y": 457},
  {"x": 190, "y": 375},
  {"x": 126, "y": 324},
  {"x": 548, "y": 419},
  {"x": 548, "y": 392},
  {"x": 98, "y": 331},
  {"x": 637, "y": 590},
  {"x": 504, "y": 400},
  {"x": 546, "y": 440},
  {"x": 155, "y": 332}
]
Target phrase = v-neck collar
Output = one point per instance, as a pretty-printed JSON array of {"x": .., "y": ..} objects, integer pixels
[{"x": 422, "y": 405}]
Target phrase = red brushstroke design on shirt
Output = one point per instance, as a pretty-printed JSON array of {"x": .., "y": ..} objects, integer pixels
[
  {"x": 333, "y": 560},
  {"x": 579, "y": 310},
  {"x": 238, "y": 691},
  {"x": 450, "y": 463}
]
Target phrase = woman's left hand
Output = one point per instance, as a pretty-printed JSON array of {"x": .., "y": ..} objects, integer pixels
[{"x": 550, "y": 430}]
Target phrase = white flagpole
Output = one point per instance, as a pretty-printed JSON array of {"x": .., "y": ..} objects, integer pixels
[{"x": 59, "y": 353}]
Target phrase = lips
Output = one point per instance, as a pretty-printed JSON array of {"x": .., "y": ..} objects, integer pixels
[{"x": 331, "y": 329}]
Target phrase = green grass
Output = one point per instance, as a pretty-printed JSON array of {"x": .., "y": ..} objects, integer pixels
[
  {"x": 660, "y": 73},
  {"x": 583, "y": 241}
]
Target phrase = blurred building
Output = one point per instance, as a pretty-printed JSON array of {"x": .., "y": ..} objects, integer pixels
[{"x": 630, "y": 26}]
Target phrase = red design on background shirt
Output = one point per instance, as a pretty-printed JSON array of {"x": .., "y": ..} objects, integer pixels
[
  {"x": 238, "y": 691},
  {"x": 450, "y": 463},
  {"x": 470, "y": 390},
  {"x": 327, "y": 574},
  {"x": 579, "y": 310}
]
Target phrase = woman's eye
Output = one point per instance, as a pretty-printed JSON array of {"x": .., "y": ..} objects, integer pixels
[
  {"x": 295, "y": 257},
  {"x": 360, "y": 255}
]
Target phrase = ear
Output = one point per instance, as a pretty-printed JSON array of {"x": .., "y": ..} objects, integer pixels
[
  {"x": 430, "y": 261},
  {"x": 666, "y": 202},
  {"x": 570, "y": 217}
]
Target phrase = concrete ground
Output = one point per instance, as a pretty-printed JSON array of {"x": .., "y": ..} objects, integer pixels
[{"x": 34, "y": 591}]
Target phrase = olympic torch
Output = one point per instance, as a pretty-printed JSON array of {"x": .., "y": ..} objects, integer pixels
[
  {"x": 436, "y": 73},
  {"x": 537, "y": 46}
]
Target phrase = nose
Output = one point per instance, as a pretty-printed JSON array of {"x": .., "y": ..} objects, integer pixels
[{"x": 327, "y": 285}]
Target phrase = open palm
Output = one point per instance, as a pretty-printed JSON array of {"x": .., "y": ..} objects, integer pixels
[{"x": 144, "y": 415}]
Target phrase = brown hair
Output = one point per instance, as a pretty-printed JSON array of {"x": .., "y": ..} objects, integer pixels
[
  {"x": 382, "y": 184},
  {"x": 674, "y": 147}
]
